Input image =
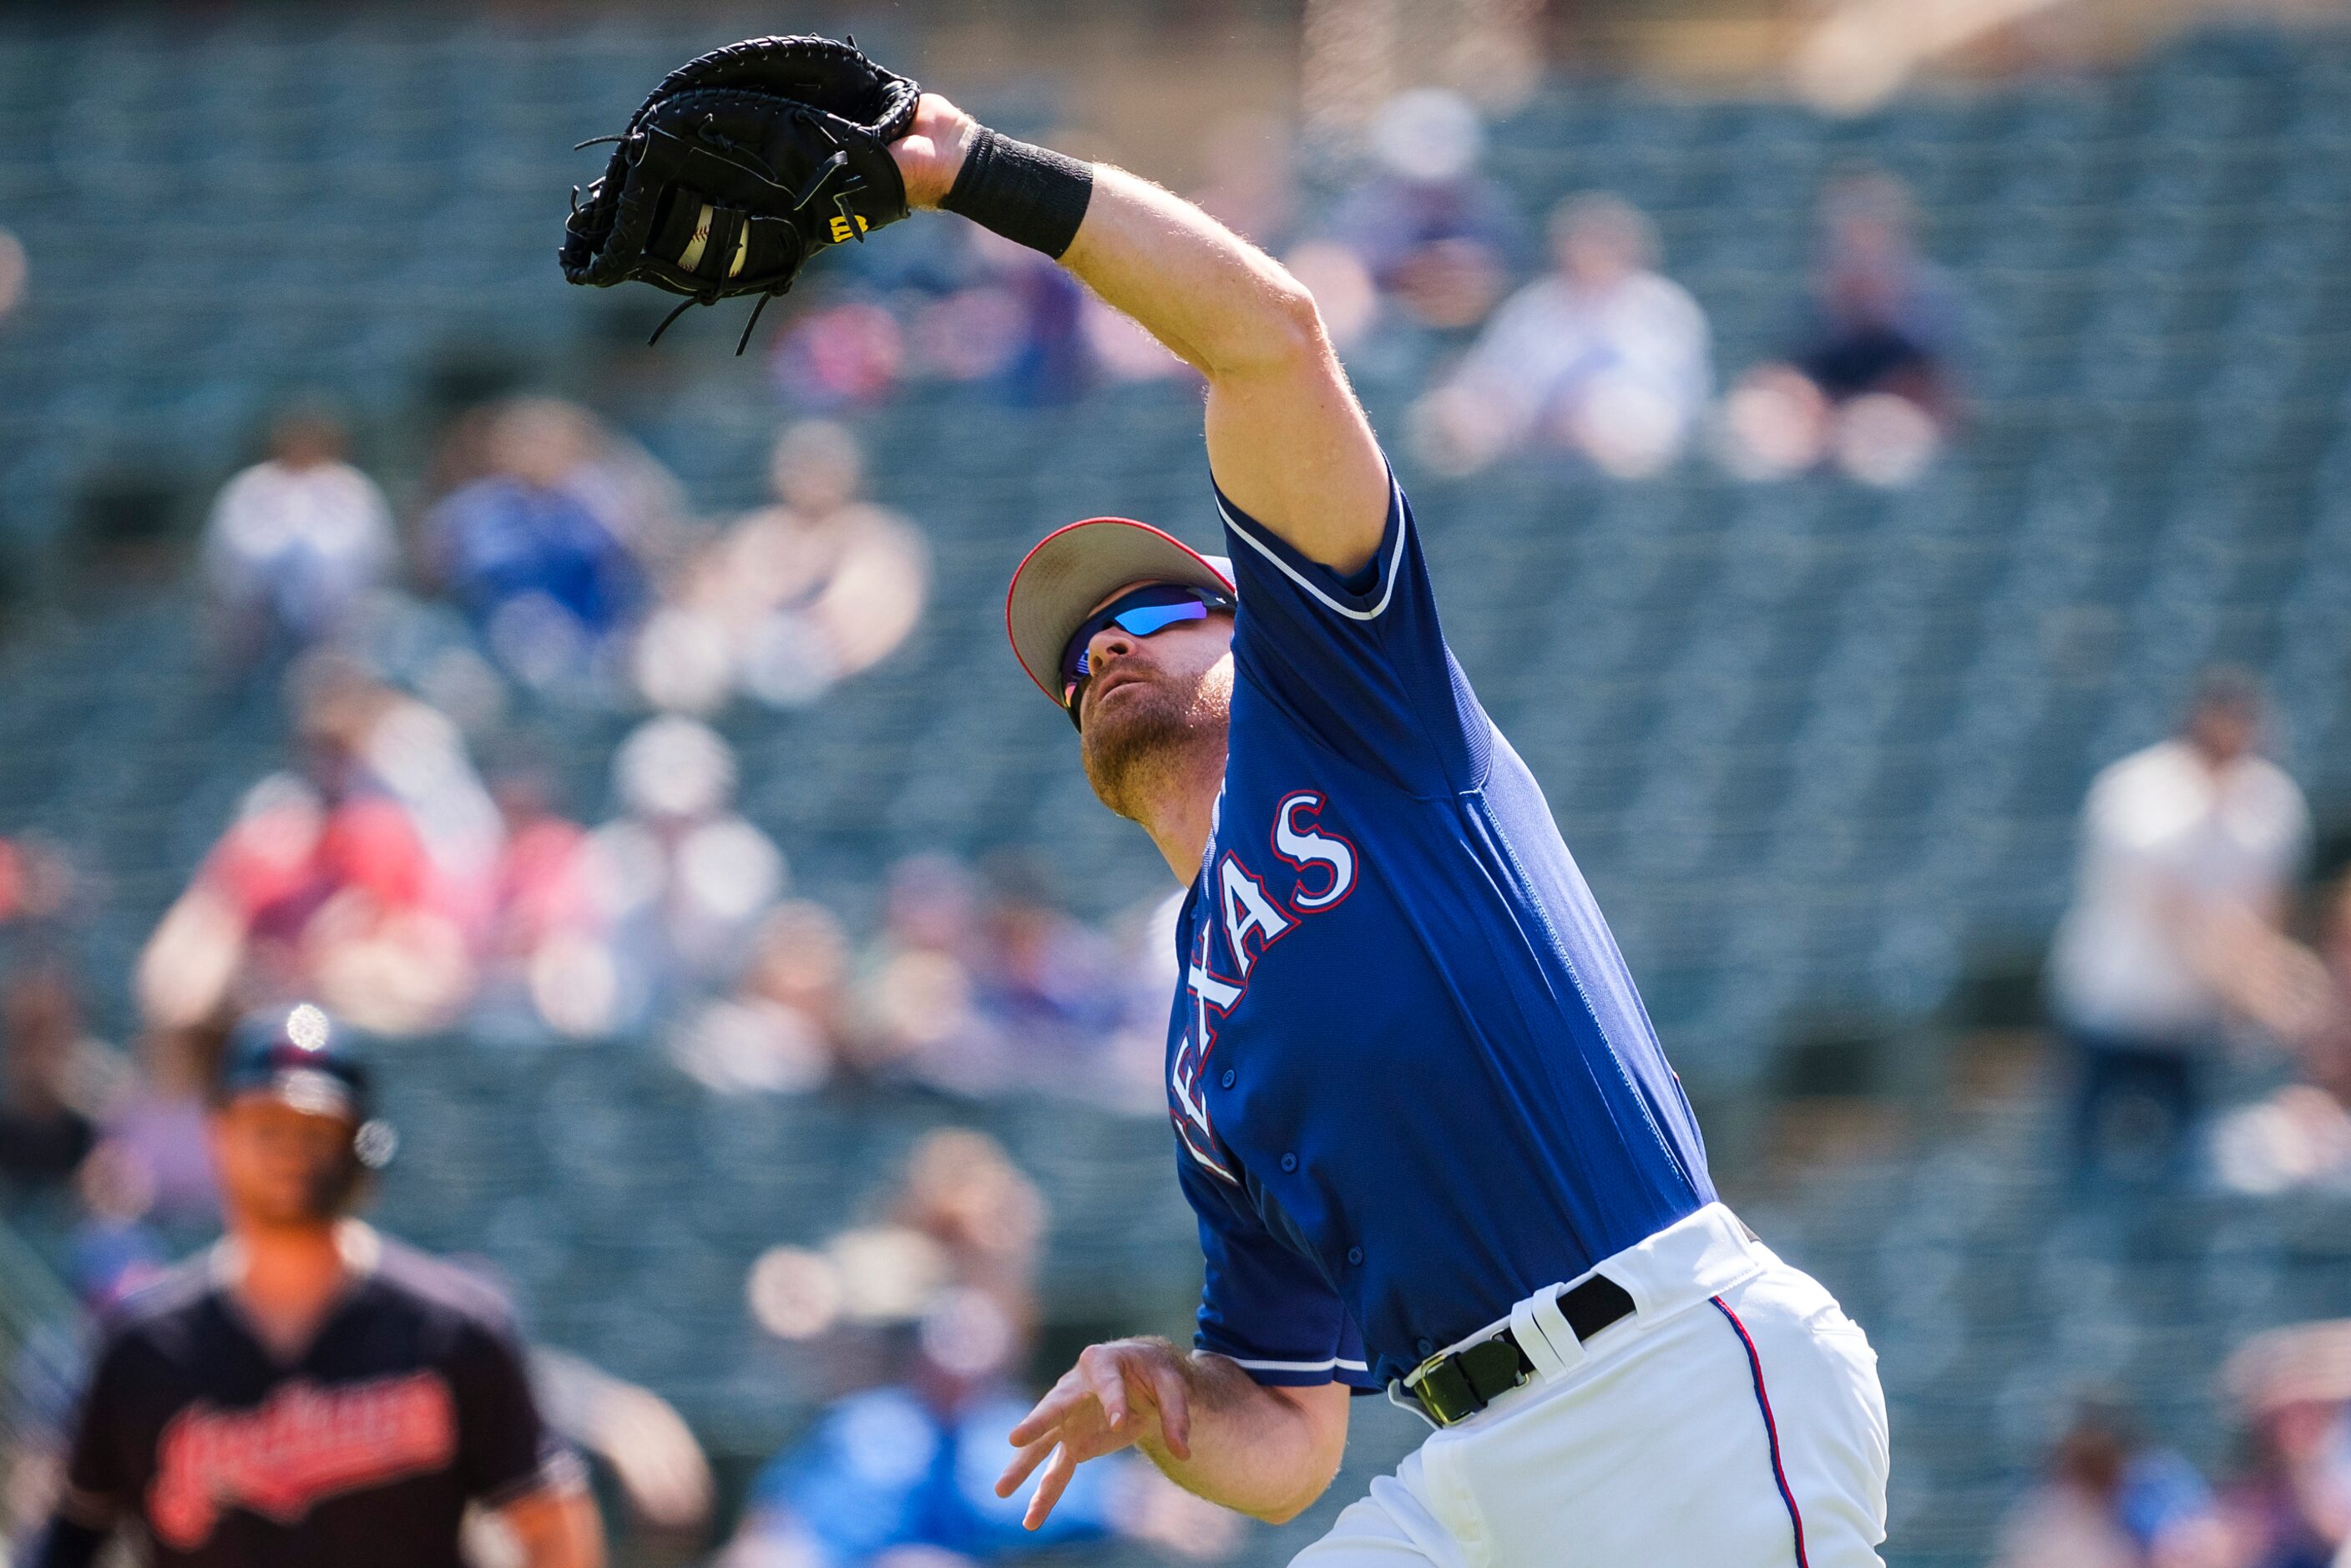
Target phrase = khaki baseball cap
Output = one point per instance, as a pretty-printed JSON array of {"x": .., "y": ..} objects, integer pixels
[{"x": 1073, "y": 569}]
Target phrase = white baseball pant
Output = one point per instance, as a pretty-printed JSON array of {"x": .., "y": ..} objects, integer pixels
[{"x": 1734, "y": 1420}]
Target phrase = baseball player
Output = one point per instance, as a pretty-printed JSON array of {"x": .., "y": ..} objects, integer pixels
[
  {"x": 1432, "y": 1142},
  {"x": 308, "y": 1391}
]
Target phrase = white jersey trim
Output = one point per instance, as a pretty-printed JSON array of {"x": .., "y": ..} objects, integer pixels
[
  {"x": 1396, "y": 561},
  {"x": 1333, "y": 1364}
]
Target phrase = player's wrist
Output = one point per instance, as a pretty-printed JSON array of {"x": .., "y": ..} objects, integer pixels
[
  {"x": 1031, "y": 196},
  {"x": 932, "y": 152}
]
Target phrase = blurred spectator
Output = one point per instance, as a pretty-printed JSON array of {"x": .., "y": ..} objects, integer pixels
[
  {"x": 295, "y": 541},
  {"x": 785, "y": 1028},
  {"x": 681, "y": 884},
  {"x": 989, "y": 310},
  {"x": 2292, "y": 1506},
  {"x": 1870, "y": 378},
  {"x": 651, "y": 1450},
  {"x": 35, "y": 881},
  {"x": 796, "y": 596},
  {"x": 863, "y": 1278},
  {"x": 971, "y": 331},
  {"x": 2113, "y": 1500},
  {"x": 963, "y": 1191},
  {"x": 1882, "y": 320},
  {"x": 545, "y": 923},
  {"x": 839, "y": 356},
  {"x": 542, "y": 878},
  {"x": 918, "y": 1003},
  {"x": 904, "y": 1474},
  {"x": 113, "y": 1251},
  {"x": 2184, "y": 845},
  {"x": 46, "y": 1128},
  {"x": 156, "y": 1159},
  {"x": 971, "y": 306},
  {"x": 426, "y": 646},
  {"x": 1051, "y": 363},
  {"x": 364, "y": 878},
  {"x": 1046, "y": 980},
  {"x": 1601, "y": 357},
  {"x": 1250, "y": 181},
  {"x": 1022, "y": 323},
  {"x": 550, "y": 551},
  {"x": 1433, "y": 234},
  {"x": 987, "y": 996},
  {"x": 2300, "y": 1136}
]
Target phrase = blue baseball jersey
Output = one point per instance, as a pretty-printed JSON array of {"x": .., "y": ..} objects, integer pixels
[{"x": 1411, "y": 1078}]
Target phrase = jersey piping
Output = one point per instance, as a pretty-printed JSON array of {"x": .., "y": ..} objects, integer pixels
[{"x": 1388, "y": 573}]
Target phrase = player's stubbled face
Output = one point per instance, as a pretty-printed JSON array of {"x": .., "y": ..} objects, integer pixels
[
  {"x": 275, "y": 1161},
  {"x": 1151, "y": 700}
]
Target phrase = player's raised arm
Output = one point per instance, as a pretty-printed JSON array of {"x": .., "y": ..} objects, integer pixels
[{"x": 1287, "y": 440}]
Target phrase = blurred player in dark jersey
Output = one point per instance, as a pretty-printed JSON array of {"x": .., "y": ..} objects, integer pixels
[{"x": 308, "y": 1392}]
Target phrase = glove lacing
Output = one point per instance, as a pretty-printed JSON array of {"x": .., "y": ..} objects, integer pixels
[{"x": 746, "y": 162}]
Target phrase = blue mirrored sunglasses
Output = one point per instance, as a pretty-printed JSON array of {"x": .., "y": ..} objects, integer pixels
[{"x": 1149, "y": 610}]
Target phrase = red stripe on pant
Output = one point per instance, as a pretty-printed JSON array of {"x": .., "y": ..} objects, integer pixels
[{"x": 1771, "y": 1426}]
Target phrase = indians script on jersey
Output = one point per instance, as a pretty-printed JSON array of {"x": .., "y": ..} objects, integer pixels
[
  {"x": 301, "y": 1445},
  {"x": 1320, "y": 869}
]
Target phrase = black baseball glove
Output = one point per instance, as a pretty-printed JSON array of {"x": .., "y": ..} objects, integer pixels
[{"x": 740, "y": 166}]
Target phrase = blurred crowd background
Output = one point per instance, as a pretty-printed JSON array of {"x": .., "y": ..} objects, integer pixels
[{"x": 1891, "y": 482}]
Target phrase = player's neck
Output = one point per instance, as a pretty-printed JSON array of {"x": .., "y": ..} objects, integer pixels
[
  {"x": 1181, "y": 810},
  {"x": 287, "y": 1278}
]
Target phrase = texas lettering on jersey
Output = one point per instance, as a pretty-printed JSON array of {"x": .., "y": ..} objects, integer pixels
[
  {"x": 1320, "y": 869},
  {"x": 300, "y": 1445}
]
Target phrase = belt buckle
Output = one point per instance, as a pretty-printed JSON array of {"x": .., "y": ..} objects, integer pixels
[
  {"x": 1415, "y": 1383},
  {"x": 1450, "y": 1412}
]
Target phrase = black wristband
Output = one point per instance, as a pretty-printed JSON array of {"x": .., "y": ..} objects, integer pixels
[{"x": 1031, "y": 196}]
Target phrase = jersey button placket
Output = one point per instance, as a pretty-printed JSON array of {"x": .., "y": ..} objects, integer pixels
[
  {"x": 1355, "y": 1257},
  {"x": 1227, "y": 1079},
  {"x": 1289, "y": 1164}
]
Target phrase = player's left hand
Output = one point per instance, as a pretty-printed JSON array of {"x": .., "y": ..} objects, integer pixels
[
  {"x": 930, "y": 155},
  {"x": 1117, "y": 1393}
]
